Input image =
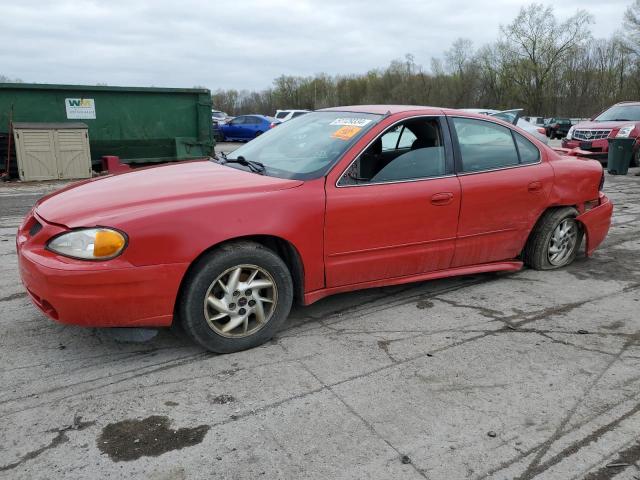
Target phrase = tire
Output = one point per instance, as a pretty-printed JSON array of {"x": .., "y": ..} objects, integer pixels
[
  {"x": 635, "y": 159},
  {"x": 258, "y": 133},
  {"x": 205, "y": 310},
  {"x": 541, "y": 249}
]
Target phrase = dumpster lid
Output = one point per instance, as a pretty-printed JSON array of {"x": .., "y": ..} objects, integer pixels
[{"x": 49, "y": 126}]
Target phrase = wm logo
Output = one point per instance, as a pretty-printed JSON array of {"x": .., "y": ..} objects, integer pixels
[{"x": 79, "y": 102}]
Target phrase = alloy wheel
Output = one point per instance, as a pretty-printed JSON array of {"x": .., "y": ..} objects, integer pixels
[
  {"x": 563, "y": 242},
  {"x": 240, "y": 301}
]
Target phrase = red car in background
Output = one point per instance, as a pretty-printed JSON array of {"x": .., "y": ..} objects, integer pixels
[
  {"x": 619, "y": 121},
  {"x": 335, "y": 200}
]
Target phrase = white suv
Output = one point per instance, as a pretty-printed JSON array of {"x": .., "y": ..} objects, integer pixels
[{"x": 284, "y": 115}]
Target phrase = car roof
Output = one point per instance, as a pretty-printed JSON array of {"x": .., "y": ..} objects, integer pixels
[
  {"x": 480, "y": 110},
  {"x": 382, "y": 109},
  {"x": 424, "y": 110},
  {"x": 264, "y": 117}
]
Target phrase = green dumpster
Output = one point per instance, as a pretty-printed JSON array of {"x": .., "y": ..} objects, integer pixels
[
  {"x": 138, "y": 124},
  {"x": 619, "y": 157}
]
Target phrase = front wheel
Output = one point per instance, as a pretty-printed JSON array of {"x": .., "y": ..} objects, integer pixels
[
  {"x": 554, "y": 241},
  {"x": 236, "y": 297}
]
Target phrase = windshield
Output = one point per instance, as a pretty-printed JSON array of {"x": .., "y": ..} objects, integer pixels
[
  {"x": 308, "y": 146},
  {"x": 620, "y": 113}
]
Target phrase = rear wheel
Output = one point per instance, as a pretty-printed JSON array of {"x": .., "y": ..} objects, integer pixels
[
  {"x": 554, "y": 241},
  {"x": 236, "y": 297}
]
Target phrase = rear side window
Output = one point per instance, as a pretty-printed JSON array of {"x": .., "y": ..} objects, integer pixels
[
  {"x": 281, "y": 114},
  {"x": 529, "y": 153},
  {"x": 484, "y": 145}
]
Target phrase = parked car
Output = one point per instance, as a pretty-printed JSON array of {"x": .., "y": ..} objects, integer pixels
[
  {"x": 247, "y": 127},
  {"x": 537, "y": 121},
  {"x": 285, "y": 115},
  {"x": 513, "y": 116},
  {"x": 216, "y": 133},
  {"x": 557, "y": 127},
  {"x": 339, "y": 200},
  {"x": 622, "y": 120},
  {"x": 219, "y": 117}
]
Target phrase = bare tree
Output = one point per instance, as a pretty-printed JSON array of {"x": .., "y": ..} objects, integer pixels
[
  {"x": 535, "y": 43},
  {"x": 632, "y": 27},
  {"x": 5, "y": 79}
]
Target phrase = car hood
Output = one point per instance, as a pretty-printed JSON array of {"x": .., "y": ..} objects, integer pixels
[
  {"x": 601, "y": 125},
  {"x": 91, "y": 202}
]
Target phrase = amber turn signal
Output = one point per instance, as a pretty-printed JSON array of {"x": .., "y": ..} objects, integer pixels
[{"x": 108, "y": 243}]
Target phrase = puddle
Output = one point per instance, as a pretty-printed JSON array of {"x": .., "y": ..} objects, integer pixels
[
  {"x": 422, "y": 304},
  {"x": 223, "y": 399},
  {"x": 150, "y": 437}
]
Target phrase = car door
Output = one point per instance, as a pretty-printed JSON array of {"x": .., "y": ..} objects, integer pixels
[
  {"x": 399, "y": 219},
  {"x": 504, "y": 182},
  {"x": 232, "y": 129},
  {"x": 250, "y": 127}
]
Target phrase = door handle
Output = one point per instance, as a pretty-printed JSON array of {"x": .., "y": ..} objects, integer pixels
[
  {"x": 535, "y": 187},
  {"x": 442, "y": 198}
]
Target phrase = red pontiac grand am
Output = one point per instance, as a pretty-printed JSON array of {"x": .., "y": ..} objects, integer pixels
[{"x": 335, "y": 200}]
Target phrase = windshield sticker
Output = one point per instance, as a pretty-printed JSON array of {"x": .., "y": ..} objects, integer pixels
[
  {"x": 351, "y": 122},
  {"x": 346, "y": 133}
]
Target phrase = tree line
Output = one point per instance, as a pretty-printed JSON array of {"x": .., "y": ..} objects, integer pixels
[{"x": 546, "y": 65}]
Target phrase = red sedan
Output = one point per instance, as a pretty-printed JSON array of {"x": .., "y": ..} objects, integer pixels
[{"x": 335, "y": 200}]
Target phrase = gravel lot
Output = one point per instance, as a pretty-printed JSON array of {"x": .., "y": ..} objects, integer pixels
[{"x": 525, "y": 375}]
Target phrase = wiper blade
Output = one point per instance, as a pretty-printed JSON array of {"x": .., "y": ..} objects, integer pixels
[
  {"x": 254, "y": 166},
  {"x": 219, "y": 157}
]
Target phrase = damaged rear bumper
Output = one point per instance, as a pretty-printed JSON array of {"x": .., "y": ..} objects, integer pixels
[{"x": 596, "y": 223}]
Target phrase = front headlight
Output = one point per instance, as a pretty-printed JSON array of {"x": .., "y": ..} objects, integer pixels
[
  {"x": 625, "y": 131},
  {"x": 89, "y": 244},
  {"x": 570, "y": 133}
]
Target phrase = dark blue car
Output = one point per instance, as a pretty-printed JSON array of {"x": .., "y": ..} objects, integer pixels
[{"x": 246, "y": 127}]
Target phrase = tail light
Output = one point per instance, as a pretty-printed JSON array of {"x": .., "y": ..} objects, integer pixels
[
  {"x": 541, "y": 131},
  {"x": 273, "y": 125}
]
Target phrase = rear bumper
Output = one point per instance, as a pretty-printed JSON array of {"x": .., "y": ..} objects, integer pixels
[
  {"x": 97, "y": 294},
  {"x": 597, "y": 222}
]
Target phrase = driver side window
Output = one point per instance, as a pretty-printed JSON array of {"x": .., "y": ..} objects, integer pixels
[{"x": 411, "y": 150}]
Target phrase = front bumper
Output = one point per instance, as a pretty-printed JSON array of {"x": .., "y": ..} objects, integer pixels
[
  {"x": 597, "y": 222},
  {"x": 598, "y": 149},
  {"x": 112, "y": 293}
]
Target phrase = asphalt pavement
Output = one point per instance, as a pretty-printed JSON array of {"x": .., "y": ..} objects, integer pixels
[{"x": 502, "y": 376}]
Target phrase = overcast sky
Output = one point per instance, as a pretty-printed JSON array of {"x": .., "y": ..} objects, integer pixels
[{"x": 244, "y": 43}]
